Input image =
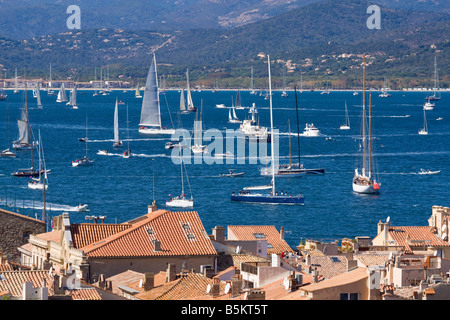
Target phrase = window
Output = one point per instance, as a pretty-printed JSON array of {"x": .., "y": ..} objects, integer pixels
[
  {"x": 350, "y": 296},
  {"x": 335, "y": 259},
  {"x": 259, "y": 235}
]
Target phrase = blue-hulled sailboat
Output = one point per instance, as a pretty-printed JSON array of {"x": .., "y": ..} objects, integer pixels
[{"x": 261, "y": 194}]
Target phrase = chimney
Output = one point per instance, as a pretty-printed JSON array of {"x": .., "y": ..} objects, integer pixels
[
  {"x": 219, "y": 234},
  {"x": 215, "y": 290},
  {"x": 156, "y": 246},
  {"x": 315, "y": 275},
  {"x": 282, "y": 233},
  {"x": 152, "y": 208},
  {"x": 255, "y": 294},
  {"x": 170, "y": 272},
  {"x": 236, "y": 285},
  {"x": 308, "y": 260},
  {"x": 276, "y": 260},
  {"x": 149, "y": 281}
]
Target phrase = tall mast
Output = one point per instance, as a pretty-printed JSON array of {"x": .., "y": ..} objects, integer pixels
[
  {"x": 364, "y": 116},
  {"x": 290, "y": 152},
  {"x": 298, "y": 128},
  {"x": 271, "y": 129},
  {"x": 370, "y": 133}
]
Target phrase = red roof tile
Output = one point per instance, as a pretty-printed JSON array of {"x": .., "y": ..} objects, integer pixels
[
  {"x": 87, "y": 233},
  {"x": 179, "y": 233},
  {"x": 411, "y": 236},
  {"x": 269, "y": 233}
]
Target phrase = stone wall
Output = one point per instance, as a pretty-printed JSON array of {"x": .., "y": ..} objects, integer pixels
[{"x": 15, "y": 229}]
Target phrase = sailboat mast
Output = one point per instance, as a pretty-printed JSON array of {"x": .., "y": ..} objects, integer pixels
[
  {"x": 28, "y": 122},
  {"x": 370, "y": 133},
  {"x": 271, "y": 129},
  {"x": 364, "y": 115},
  {"x": 290, "y": 151},
  {"x": 298, "y": 128}
]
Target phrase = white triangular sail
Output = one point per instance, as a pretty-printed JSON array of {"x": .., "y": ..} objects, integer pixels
[
  {"x": 116, "y": 122},
  {"x": 150, "y": 112},
  {"x": 62, "y": 96},
  {"x": 73, "y": 97},
  {"x": 22, "y": 124},
  {"x": 182, "y": 101},
  {"x": 190, "y": 103},
  {"x": 38, "y": 96}
]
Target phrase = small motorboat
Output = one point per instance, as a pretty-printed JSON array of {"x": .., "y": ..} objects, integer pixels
[
  {"x": 227, "y": 154},
  {"x": 7, "y": 153},
  {"x": 231, "y": 173},
  {"x": 82, "y": 139},
  {"x": 103, "y": 152},
  {"x": 428, "y": 171},
  {"x": 82, "y": 162},
  {"x": 439, "y": 119},
  {"x": 82, "y": 208}
]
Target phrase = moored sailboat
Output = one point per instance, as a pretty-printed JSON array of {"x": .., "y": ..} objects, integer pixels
[
  {"x": 424, "y": 130},
  {"x": 346, "y": 125},
  {"x": 363, "y": 181},
  {"x": 273, "y": 197},
  {"x": 41, "y": 182},
  {"x": 181, "y": 200},
  {"x": 85, "y": 161}
]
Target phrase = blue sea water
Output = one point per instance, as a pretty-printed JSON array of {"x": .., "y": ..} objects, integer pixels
[{"x": 121, "y": 189}]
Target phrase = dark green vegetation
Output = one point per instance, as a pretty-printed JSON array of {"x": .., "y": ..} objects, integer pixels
[{"x": 311, "y": 39}]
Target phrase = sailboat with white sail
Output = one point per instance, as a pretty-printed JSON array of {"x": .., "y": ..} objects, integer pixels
[
  {"x": 424, "y": 130},
  {"x": 198, "y": 147},
  {"x": 181, "y": 200},
  {"x": 183, "y": 109},
  {"x": 62, "y": 95},
  {"x": 138, "y": 92},
  {"x": 346, "y": 125},
  {"x": 38, "y": 96},
  {"x": 73, "y": 98},
  {"x": 232, "y": 117},
  {"x": 41, "y": 182},
  {"x": 190, "y": 102},
  {"x": 85, "y": 161},
  {"x": 150, "y": 122},
  {"x": 24, "y": 141},
  {"x": 117, "y": 142},
  {"x": 363, "y": 182},
  {"x": 273, "y": 197}
]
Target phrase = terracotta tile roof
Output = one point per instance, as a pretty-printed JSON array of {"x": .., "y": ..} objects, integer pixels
[
  {"x": 411, "y": 236},
  {"x": 126, "y": 278},
  {"x": 179, "y": 234},
  {"x": 276, "y": 290},
  {"x": 372, "y": 259},
  {"x": 85, "y": 234},
  {"x": 225, "y": 260},
  {"x": 253, "y": 232},
  {"x": 21, "y": 216},
  {"x": 342, "y": 279},
  {"x": 327, "y": 266},
  {"x": 84, "y": 294},
  {"x": 14, "y": 280},
  {"x": 189, "y": 287}
]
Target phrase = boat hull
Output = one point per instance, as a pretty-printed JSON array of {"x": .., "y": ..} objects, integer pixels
[
  {"x": 258, "y": 198},
  {"x": 365, "y": 189},
  {"x": 156, "y": 131},
  {"x": 182, "y": 203}
]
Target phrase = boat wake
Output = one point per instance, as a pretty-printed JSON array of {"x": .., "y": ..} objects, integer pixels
[{"x": 30, "y": 204}]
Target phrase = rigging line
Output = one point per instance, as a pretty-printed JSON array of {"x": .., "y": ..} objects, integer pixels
[{"x": 167, "y": 104}]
